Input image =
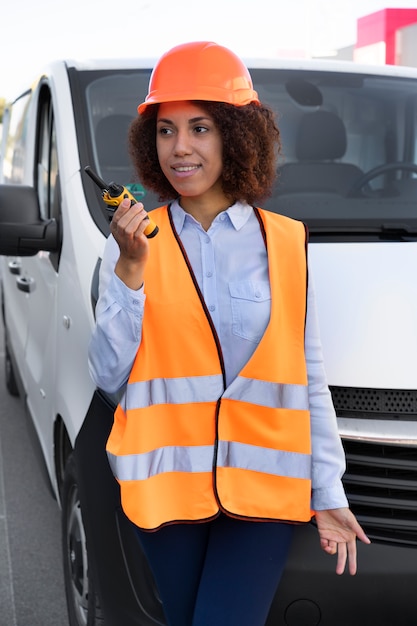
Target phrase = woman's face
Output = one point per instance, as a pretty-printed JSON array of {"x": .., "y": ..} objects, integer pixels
[{"x": 189, "y": 149}]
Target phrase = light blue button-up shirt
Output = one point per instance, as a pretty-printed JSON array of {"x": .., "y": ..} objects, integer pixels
[{"x": 230, "y": 264}]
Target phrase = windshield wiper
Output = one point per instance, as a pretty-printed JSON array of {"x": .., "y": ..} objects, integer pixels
[
  {"x": 391, "y": 231},
  {"x": 399, "y": 230}
]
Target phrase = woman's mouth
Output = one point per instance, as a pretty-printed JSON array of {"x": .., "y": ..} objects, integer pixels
[{"x": 185, "y": 170}]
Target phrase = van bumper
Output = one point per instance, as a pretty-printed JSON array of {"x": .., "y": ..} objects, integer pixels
[{"x": 383, "y": 592}]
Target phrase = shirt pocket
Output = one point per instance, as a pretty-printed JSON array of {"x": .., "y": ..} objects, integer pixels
[{"x": 251, "y": 308}]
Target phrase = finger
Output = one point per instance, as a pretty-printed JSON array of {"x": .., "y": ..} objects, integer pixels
[
  {"x": 361, "y": 535},
  {"x": 352, "y": 557},
  {"x": 126, "y": 210},
  {"x": 133, "y": 222},
  {"x": 329, "y": 546},
  {"x": 123, "y": 207},
  {"x": 138, "y": 224},
  {"x": 341, "y": 558}
]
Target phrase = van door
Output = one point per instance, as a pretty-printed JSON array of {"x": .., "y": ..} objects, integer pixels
[{"x": 41, "y": 273}]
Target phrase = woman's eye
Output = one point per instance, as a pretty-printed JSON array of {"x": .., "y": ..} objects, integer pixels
[
  {"x": 201, "y": 129},
  {"x": 165, "y": 131}
]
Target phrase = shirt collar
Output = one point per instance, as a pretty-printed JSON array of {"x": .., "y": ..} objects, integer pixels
[{"x": 238, "y": 214}]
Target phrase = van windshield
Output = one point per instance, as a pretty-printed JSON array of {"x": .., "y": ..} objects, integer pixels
[{"x": 349, "y": 146}]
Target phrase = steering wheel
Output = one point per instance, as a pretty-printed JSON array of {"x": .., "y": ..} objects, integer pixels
[{"x": 377, "y": 171}]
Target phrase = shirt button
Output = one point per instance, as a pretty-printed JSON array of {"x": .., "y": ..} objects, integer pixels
[
  {"x": 135, "y": 302},
  {"x": 258, "y": 294},
  {"x": 212, "y": 307},
  {"x": 207, "y": 240},
  {"x": 222, "y": 217},
  {"x": 209, "y": 274}
]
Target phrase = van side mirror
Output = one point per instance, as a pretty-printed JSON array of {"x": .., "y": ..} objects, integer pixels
[{"x": 22, "y": 231}]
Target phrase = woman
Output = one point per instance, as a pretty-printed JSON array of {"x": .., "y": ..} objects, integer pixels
[{"x": 226, "y": 435}]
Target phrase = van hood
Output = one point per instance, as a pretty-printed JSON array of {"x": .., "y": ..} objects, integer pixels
[{"x": 367, "y": 305}]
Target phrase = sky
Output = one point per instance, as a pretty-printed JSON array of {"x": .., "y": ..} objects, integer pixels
[{"x": 33, "y": 33}]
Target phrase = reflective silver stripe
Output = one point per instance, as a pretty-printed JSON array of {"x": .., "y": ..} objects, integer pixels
[
  {"x": 265, "y": 460},
  {"x": 210, "y": 388},
  {"x": 195, "y": 459},
  {"x": 168, "y": 459},
  {"x": 173, "y": 391},
  {"x": 274, "y": 395}
]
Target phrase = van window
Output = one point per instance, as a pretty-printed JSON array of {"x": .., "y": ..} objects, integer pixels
[
  {"x": 111, "y": 109},
  {"x": 349, "y": 146},
  {"x": 46, "y": 166},
  {"x": 47, "y": 157},
  {"x": 349, "y": 164},
  {"x": 15, "y": 149},
  {"x": 105, "y": 103}
]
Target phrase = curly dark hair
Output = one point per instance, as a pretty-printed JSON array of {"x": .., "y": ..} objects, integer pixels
[{"x": 251, "y": 145}]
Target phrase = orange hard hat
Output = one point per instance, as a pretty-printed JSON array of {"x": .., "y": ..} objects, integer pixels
[{"x": 200, "y": 70}]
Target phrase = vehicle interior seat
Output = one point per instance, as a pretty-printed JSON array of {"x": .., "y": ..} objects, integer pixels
[
  {"x": 111, "y": 138},
  {"x": 320, "y": 140}
]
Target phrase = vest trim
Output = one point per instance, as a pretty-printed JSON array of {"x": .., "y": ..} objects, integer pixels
[
  {"x": 196, "y": 459},
  {"x": 265, "y": 460},
  {"x": 264, "y": 393},
  {"x": 183, "y": 390},
  {"x": 191, "y": 459},
  {"x": 210, "y": 388}
]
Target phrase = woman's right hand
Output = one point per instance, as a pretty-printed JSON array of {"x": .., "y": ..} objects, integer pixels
[{"x": 127, "y": 227}]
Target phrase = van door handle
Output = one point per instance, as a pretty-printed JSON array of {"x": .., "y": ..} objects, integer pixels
[
  {"x": 14, "y": 266},
  {"x": 25, "y": 284}
]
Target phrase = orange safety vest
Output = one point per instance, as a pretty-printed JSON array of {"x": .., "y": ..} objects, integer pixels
[{"x": 183, "y": 447}]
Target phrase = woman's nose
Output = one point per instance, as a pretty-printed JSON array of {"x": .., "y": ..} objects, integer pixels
[{"x": 182, "y": 144}]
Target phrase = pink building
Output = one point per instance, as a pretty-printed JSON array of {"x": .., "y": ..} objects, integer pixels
[{"x": 388, "y": 36}]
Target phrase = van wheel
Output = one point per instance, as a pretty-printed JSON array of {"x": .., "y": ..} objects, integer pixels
[
  {"x": 11, "y": 384},
  {"x": 82, "y": 601}
]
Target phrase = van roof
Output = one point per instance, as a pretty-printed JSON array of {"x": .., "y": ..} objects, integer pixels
[{"x": 254, "y": 62}]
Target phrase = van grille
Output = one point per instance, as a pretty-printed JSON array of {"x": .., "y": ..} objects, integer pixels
[
  {"x": 381, "y": 479},
  {"x": 375, "y": 403}
]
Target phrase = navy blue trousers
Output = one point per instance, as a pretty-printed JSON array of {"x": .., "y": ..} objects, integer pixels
[{"x": 219, "y": 573}]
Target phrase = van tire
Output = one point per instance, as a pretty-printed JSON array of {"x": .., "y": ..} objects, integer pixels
[
  {"x": 11, "y": 384},
  {"x": 80, "y": 589}
]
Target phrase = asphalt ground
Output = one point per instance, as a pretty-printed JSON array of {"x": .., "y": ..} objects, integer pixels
[{"x": 31, "y": 578}]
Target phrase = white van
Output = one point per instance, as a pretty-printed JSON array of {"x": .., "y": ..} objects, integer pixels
[{"x": 350, "y": 172}]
